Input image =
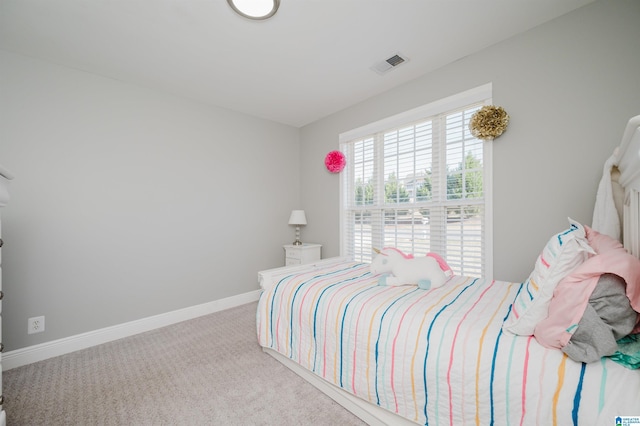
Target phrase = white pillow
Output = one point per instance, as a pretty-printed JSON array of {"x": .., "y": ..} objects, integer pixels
[{"x": 562, "y": 254}]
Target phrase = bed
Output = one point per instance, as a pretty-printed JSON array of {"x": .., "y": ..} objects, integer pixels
[{"x": 462, "y": 353}]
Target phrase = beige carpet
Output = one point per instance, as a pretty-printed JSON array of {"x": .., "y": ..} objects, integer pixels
[{"x": 206, "y": 371}]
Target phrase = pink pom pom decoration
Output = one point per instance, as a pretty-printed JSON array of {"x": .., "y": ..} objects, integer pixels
[{"x": 335, "y": 161}]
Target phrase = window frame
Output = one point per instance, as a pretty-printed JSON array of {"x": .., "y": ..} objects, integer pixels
[{"x": 481, "y": 94}]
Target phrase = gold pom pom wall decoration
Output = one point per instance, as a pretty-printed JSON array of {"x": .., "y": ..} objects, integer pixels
[{"x": 489, "y": 122}]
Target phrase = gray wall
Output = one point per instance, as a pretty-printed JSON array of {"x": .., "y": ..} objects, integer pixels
[
  {"x": 129, "y": 203},
  {"x": 569, "y": 86}
]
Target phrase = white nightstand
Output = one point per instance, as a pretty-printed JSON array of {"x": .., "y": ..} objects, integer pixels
[{"x": 305, "y": 253}]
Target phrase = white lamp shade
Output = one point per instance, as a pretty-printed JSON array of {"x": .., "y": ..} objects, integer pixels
[{"x": 297, "y": 218}]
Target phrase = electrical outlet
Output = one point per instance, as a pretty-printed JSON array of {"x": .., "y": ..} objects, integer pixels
[{"x": 35, "y": 325}]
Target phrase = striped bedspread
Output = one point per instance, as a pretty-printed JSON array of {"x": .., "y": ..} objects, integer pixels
[{"x": 437, "y": 357}]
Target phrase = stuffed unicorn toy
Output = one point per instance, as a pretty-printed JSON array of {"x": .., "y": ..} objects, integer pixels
[{"x": 426, "y": 272}]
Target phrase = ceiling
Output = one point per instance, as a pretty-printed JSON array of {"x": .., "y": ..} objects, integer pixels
[{"x": 313, "y": 58}]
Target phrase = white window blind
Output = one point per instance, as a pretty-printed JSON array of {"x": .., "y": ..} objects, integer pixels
[{"x": 419, "y": 187}]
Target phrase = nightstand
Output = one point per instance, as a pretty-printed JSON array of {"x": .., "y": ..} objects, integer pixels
[{"x": 305, "y": 253}]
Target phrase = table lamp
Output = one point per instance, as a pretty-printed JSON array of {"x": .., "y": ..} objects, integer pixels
[{"x": 297, "y": 218}]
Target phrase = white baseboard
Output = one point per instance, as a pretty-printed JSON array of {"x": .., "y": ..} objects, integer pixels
[{"x": 35, "y": 353}]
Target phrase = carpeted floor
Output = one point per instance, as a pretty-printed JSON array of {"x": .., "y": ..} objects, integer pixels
[{"x": 206, "y": 371}]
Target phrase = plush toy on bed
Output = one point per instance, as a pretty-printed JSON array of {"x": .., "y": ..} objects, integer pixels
[{"x": 426, "y": 272}]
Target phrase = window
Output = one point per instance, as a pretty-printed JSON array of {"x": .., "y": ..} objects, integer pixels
[{"x": 419, "y": 182}]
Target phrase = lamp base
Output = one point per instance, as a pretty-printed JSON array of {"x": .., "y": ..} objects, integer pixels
[{"x": 297, "y": 242}]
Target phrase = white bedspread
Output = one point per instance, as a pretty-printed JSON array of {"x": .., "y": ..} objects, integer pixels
[{"x": 436, "y": 357}]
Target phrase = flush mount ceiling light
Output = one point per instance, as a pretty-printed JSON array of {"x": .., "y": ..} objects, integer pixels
[{"x": 255, "y": 9}]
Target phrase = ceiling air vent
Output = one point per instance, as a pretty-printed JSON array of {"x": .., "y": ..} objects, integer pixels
[{"x": 388, "y": 64}]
